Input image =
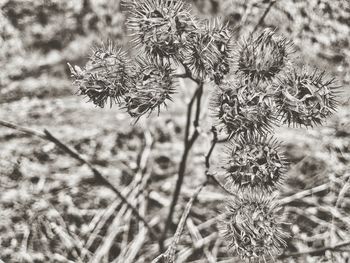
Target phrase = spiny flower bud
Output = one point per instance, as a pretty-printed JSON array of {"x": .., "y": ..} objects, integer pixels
[
  {"x": 264, "y": 56},
  {"x": 154, "y": 84},
  {"x": 105, "y": 77},
  {"x": 305, "y": 98},
  {"x": 252, "y": 227},
  {"x": 209, "y": 51},
  {"x": 242, "y": 106},
  {"x": 254, "y": 162},
  {"x": 159, "y": 26}
]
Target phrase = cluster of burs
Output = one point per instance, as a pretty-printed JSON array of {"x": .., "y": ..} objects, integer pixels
[{"x": 254, "y": 87}]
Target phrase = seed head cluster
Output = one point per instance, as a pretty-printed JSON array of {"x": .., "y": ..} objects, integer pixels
[
  {"x": 264, "y": 91},
  {"x": 255, "y": 88}
]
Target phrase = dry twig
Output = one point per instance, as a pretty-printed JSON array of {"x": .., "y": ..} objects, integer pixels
[
  {"x": 169, "y": 255},
  {"x": 49, "y": 137}
]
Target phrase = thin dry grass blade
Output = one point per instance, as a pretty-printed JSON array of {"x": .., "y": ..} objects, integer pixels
[
  {"x": 169, "y": 255},
  {"x": 114, "y": 229}
]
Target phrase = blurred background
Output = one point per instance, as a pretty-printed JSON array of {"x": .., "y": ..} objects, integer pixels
[{"x": 51, "y": 207}]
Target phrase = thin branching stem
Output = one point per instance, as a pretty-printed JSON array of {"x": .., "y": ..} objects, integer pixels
[
  {"x": 216, "y": 181},
  {"x": 189, "y": 117},
  {"x": 169, "y": 254},
  {"x": 188, "y": 74},
  {"x": 188, "y": 143},
  {"x": 46, "y": 135},
  {"x": 261, "y": 20},
  {"x": 207, "y": 162},
  {"x": 213, "y": 144},
  {"x": 182, "y": 75}
]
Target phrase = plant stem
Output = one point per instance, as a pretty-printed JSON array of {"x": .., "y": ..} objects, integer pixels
[
  {"x": 169, "y": 254},
  {"x": 261, "y": 20},
  {"x": 213, "y": 144},
  {"x": 207, "y": 162},
  {"x": 188, "y": 143}
]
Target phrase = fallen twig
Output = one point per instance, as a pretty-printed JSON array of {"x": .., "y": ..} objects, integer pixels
[
  {"x": 302, "y": 194},
  {"x": 169, "y": 255},
  {"x": 49, "y": 137},
  {"x": 318, "y": 251}
]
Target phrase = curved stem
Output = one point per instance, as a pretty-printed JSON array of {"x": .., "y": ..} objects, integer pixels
[
  {"x": 188, "y": 143},
  {"x": 213, "y": 144}
]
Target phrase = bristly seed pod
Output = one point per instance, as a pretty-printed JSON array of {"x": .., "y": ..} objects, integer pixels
[
  {"x": 264, "y": 56},
  {"x": 252, "y": 227},
  {"x": 209, "y": 51},
  {"x": 154, "y": 85},
  {"x": 305, "y": 97},
  {"x": 242, "y": 106},
  {"x": 159, "y": 26},
  {"x": 105, "y": 77},
  {"x": 254, "y": 162}
]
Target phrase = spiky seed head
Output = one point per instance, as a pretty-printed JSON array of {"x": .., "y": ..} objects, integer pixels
[
  {"x": 306, "y": 97},
  {"x": 254, "y": 162},
  {"x": 209, "y": 51},
  {"x": 242, "y": 106},
  {"x": 252, "y": 227},
  {"x": 154, "y": 85},
  {"x": 159, "y": 26},
  {"x": 223, "y": 42},
  {"x": 105, "y": 77},
  {"x": 263, "y": 56}
]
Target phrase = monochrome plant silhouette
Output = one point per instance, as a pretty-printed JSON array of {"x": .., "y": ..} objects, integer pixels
[{"x": 255, "y": 87}]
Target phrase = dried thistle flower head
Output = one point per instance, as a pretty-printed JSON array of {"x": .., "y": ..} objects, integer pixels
[
  {"x": 254, "y": 162},
  {"x": 264, "y": 56},
  {"x": 209, "y": 51},
  {"x": 252, "y": 227},
  {"x": 154, "y": 85},
  {"x": 242, "y": 106},
  {"x": 105, "y": 77},
  {"x": 159, "y": 26},
  {"x": 306, "y": 97}
]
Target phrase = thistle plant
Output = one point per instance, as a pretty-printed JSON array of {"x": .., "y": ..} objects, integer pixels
[
  {"x": 263, "y": 56},
  {"x": 240, "y": 106},
  {"x": 254, "y": 87},
  {"x": 153, "y": 87},
  {"x": 252, "y": 227},
  {"x": 106, "y": 77},
  {"x": 254, "y": 162},
  {"x": 305, "y": 97}
]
